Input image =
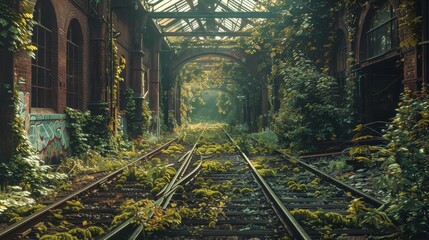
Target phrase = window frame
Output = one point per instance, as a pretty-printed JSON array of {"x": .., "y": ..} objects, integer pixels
[
  {"x": 74, "y": 66},
  {"x": 391, "y": 32},
  {"x": 42, "y": 81}
]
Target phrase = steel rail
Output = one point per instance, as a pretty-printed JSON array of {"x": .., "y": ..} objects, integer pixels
[
  {"x": 165, "y": 200},
  {"x": 322, "y": 155},
  {"x": 166, "y": 193},
  {"x": 290, "y": 222},
  {"x": 124, "y": 225},
  {"x": 368, "y": 198},
  {"x": 187, "y": 159},
  {"x": 26, "y": 223}
]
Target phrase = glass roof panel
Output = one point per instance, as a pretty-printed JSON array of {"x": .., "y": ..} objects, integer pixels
[{"x": 202, "y": 25}]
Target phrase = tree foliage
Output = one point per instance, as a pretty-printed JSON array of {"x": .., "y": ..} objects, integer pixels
[
  {"x": 298, "y": 49},
  {"x": 310, "y": 109},
  {"x": 227, "y": 78}
]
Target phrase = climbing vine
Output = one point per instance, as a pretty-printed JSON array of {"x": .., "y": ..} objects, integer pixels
[
  {"x": 297, "y": 51},
  {"x": 119, "y": 64},
  {"x": 89, "y": 130},
  {"x": 406, "y": 167},
  {"x": 136, "y": 125},
  {"x": 16, "y": 27},
  {"x": 409, "y": 23},
  {"x": 24, "y": 169}
]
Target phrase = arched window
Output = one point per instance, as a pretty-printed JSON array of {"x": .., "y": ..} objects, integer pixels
[
  {"x": 74, "y": 65},
  {"x": 381, "y": 30},
  {"x": 340, "y": 59},
  {"x": 41, "y": 65}
]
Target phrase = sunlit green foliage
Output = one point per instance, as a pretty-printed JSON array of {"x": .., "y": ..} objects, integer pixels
[
  {"x": 137, "y": 123},
  {"x": 91, "y": 131},
  {"x": 310, "y": 109},
  {"x": 405, "y": 168},
  {"x": 215, "y": 166},
  {"x": 209, "y": 92},
  {"x": 89, "y": 233},
  {"x": 16, "y": 27},
  {"x": 173, "y": 149},
  {"x": 146, "y": 213}
]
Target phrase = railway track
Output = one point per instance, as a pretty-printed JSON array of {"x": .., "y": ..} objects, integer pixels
[
  {"x": 227, "y": 200},
  {"x": 360, "y": 176},
  {"x": 324, "y": 205},
  {"x": 91, "y": 206},
  {"x": 212, "y": 191}
]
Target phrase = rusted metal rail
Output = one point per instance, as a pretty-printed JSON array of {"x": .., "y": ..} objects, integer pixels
[
  {"x": 290, "y": 222},
  {"x": 164, "y": 195},
  {"x": 342, "y": 185},
  {"x": 18, "y": 229}
]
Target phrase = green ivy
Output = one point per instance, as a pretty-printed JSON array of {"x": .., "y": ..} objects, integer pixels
[
  {"x": 409, "y": 23},
  {"x": 136, "y": 127},
  {"x": 119, "y": 64},
  {"x": 90, "y": 130},
  {"x": 25, "y": 168},
  {"x": 16, "y": 27},
  {"x": 78, "y": 138}
]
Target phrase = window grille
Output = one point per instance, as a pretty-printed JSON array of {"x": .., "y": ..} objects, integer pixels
[
  {"x": 381, "y": 34},
  {"x": 41, "y": 65},
  {"x": 74, "y": 66}
]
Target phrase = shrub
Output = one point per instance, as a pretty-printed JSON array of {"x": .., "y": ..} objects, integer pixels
[
  {"x": 406, "y": 166},
  {"x": 310, "y": 106}
]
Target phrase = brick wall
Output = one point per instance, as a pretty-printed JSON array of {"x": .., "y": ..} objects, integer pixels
[
  {"x": 64, "y": 11},
  {"x": 94, "y": 33}
]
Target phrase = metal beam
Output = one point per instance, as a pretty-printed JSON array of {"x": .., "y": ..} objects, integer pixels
[
  {"x": 205, "y": 34},
  {"x": 213, "y": 15}
]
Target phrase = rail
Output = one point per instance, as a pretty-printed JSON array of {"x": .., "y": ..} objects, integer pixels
[
  {"x": 366, "y": 197},
  {"x": 165, "y": 194},
  {"x": 290, "y": 222},
  {"x": 20, "y": 227}
]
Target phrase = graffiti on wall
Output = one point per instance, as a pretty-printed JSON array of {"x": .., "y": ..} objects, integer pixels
[
  {"x": 48, "y": 135},
  {"x": 23, "y": 110}
]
